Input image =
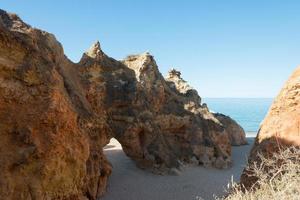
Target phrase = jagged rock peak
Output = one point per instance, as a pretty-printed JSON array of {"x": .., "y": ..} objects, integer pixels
[
  {"x": 174, "y": 73},
  {"x": 35, "y": 39},
  {"x": 95, "y": 50},
  {"x": 174, "y": 77},
  {"x": 143, "y": 64},
  {"x": 13, "y": 22},
  {"x": 146, "y": 56}
]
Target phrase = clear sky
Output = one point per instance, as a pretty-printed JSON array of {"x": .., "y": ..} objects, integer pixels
[{"x": 223, "y": 48}]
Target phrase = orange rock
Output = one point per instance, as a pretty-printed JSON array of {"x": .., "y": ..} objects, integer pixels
[
  {"x": 56, "y": 116},
  {"x": 281, "y": 126}
]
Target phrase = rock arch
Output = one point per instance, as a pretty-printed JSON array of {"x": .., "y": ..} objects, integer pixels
[{"x": 56, "y": 117}]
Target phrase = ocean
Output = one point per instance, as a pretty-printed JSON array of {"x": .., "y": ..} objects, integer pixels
[{"x": 248, "y": 112}]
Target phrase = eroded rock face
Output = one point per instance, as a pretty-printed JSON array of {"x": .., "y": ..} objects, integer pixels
[
  {"x": 235, "y": 132},
  {"x": 280, "y": 127},
  {"x": 56, "y": 116},
  {"x": 51, "y": 139},
  {"x": 173, "y": 127}
]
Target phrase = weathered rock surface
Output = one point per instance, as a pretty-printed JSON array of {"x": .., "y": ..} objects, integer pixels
[
  {"x": 235, "y": 132},
  {"x": 51, "y": 140},
  {"x": 56, "y": 116},
  {"x": 280, "y": 127},
  {"x": 171, "y": 125}
]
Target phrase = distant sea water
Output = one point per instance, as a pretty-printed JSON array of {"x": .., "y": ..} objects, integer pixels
[{"x": 248, "y": 112}]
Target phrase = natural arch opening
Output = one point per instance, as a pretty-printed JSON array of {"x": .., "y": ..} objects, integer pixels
[{"x": 123, "y": 168}]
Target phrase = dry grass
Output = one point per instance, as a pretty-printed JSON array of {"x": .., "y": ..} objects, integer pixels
[{"x": 279, "y": 178}]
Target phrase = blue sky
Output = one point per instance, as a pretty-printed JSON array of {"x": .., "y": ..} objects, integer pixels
[{"x": 223, "y": 48}]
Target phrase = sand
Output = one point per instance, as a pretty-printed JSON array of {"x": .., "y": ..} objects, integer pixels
[{"x": 128, "y": 182}]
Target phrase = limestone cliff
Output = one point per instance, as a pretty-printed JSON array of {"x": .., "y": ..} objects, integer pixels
[
  {"x": 280, "y": 127},
  {"x": 56, "y": 116}
]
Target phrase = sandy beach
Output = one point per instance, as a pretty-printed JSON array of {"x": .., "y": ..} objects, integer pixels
[{"x": 128, "y": 182}]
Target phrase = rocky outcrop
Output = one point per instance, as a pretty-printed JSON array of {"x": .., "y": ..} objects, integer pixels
[
  {"x": 56, "y": 116},
  {"x": 235, "y": 132},
  {"x": 171, "y": 126},
  {"x": 51, "y": 139},
  {"x": 280, "y": 127}
]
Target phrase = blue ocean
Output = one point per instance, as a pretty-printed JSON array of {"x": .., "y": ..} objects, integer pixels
[{"x": 248, "y": 112}]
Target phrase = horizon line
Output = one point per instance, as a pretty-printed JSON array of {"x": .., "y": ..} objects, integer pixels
[{"x": 239, "y": 97}]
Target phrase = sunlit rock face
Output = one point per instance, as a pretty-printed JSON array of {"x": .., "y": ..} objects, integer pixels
[
  {"x": 173, "y": 127},
  {"x": 234, "y": 131},
  {"x": 281, "y": 126},
  {"x": 51, "y": 138},
  {"x": 56, "y": 116}
]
